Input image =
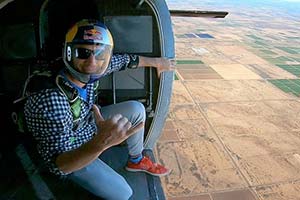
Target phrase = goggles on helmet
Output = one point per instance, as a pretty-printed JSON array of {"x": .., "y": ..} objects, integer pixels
[{"x": 83, "y": 53}]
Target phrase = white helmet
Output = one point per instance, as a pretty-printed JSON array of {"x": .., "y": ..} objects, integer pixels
[{"x": 87, "y": 31}]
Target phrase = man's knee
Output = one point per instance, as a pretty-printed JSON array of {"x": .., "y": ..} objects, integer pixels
[{"x": 137, "y": 109}]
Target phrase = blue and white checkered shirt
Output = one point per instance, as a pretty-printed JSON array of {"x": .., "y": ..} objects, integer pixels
[{"x": 50, "y": 119}]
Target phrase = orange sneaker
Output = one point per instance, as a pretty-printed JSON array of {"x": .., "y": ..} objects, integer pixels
[{"x": 146, "y": 165}]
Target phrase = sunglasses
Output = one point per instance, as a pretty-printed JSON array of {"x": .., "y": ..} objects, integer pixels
[{"x": 83, "y": 53}]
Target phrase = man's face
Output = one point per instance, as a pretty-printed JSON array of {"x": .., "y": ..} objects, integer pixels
[{"x": 90, "y": 59}]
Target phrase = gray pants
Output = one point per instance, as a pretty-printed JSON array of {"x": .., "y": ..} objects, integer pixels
[{"x": 98, "y": 177}]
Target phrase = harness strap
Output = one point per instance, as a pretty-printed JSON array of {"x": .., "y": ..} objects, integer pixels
[
  {"x": 74, "y": 100},
  {"x": 71, "y": 94},
  {"x": 45, "y": 80}
]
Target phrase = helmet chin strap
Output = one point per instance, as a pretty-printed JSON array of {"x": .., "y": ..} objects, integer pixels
[{"x": 84, "y": 78}]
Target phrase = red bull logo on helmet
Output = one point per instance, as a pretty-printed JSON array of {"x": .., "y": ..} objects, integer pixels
[{"x": 92, "y": 34}]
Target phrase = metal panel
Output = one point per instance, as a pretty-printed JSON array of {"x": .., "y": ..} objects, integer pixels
[
  {"x": 131, "y": 34},
  {"x": 127, "y": 79}
]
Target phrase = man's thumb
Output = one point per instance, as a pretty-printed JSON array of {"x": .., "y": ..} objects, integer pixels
[{"x": 98, "y": 117}]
